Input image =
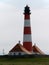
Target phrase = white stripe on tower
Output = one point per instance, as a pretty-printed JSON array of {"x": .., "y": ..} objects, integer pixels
[
  {"x": 27, "y": 23},
  {"x": 27, "y": 40}
]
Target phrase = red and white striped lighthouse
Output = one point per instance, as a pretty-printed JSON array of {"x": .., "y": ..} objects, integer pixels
[{"x": 27, "y": 40}]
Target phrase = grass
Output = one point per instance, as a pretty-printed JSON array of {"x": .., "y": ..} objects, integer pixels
[{"x": 24, "y": 61}]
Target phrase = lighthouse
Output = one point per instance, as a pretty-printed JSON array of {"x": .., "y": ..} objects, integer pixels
[
  {"x": 27, "y": 39},
  {"x": 27, "y": 47}
]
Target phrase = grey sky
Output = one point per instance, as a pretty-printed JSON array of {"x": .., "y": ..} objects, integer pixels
[{"x": 12, "y": 22}]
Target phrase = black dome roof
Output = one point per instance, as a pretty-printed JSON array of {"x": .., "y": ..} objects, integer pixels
[{"x": 27, "y": 10}]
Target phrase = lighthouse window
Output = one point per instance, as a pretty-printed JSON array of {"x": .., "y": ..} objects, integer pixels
[
  {"x": 14, "y": 54},
  {"x": 19, "y": 53}
]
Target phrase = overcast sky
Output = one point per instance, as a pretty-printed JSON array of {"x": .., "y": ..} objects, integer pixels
[{"x": 12, "y": 22}]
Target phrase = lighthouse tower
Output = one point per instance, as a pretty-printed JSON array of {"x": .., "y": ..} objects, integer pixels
[
  {"x": 27, "y": 47},
  {"x": 27, "y": 40}
]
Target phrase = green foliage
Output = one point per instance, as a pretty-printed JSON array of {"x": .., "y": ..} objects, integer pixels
[{"x": 24, "y": 61}]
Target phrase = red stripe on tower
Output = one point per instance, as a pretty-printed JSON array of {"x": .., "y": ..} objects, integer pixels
[
  {"x": 27, "y": 16},
  {"x": 27, "y": 40},
  {"x": 27, "y": 30}
]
